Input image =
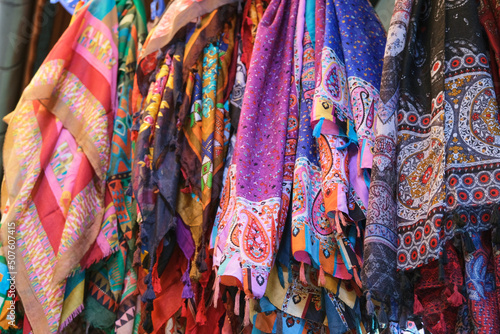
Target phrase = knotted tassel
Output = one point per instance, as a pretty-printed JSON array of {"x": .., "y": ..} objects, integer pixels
[
  {"x": 302, "y": 274},
  {"x": 246, "y": 320},
  {"x": 216, "y": 290},
  {"x": 417, "y": 306},
  {"x": 321, "y": 277},
  {"x": 370, "y": 308},
  {"x": 148, "y": 321},
  {"x": 317, "y": 128},
  {"x": 403, "y": 319},
  {"x": 356, "y": 277},
  {"x": 201, "y": 317},
  {"x": 468, "y": 243},
  {"x": 187, "y": 291},
  {"x": 155, "y": 279},
  {"x": 200, "y": 260},
  {"x": 237, "y": 302},
  {"x": 456, "y": 299},
  {"x": 495, "y": 235},
  {"x": 382, "y": 317},
  {"x": 149, "y": 294},
  {"x": 442, "y": 275}
]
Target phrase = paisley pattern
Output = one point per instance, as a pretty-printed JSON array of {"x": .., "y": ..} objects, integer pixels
[{"x": 262, "y": 193}]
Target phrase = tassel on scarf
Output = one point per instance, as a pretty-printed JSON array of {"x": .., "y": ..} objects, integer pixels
[
  {"x": 200, "y": 260},
  {"x": 237, "y": 302},
  {"x": 317, "y": 128},
  {"x": 403, "y": 319},
  {"x": 382, "y": 317},
  {"x": 495, "y": 235},
  {"x": 149, "y": 294},
  {"x": 155, "y": 279},
  {"x": 187, "y": 291},
  {"x": 370, "y": 308},
  {"x": 321, "y": 277},
  {"x": 456, "y": 299},
  {"x": 302, "y": 274},
  {"x": 417, "y": 305},
  {"x": 442, "y": 275},
  {"x": 216, "y": 290},
  {"x": 246, "y": 320},
  {"x": 468, "y": 243},
  {"x": 201, "y": 317},
  {"x": 148, "y": 321}
]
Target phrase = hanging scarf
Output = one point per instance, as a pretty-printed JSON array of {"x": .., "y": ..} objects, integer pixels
[
  {"x": 155, "y": 169},
  {"x": 112, "y": 283},
  {"x": 255, "y": 210},
  {"x": 57, "y": 151},
  {"x": 380, "y": 242},
  {"x": 448, "y": 146}
]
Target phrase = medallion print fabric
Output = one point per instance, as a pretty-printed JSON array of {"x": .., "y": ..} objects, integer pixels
[
  {"x": 59, "y": 134},
  {"x": 447, "y": 161}
]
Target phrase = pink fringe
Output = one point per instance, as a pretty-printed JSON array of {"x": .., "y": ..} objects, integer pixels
[{"x": 72, "y": 316}]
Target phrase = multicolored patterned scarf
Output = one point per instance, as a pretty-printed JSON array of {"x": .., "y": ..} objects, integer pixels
[
  {"x": 254, "y": 210},
  {"x": 112, "y": 284},
  {"x": 57, "y": 157},
  {"x": 448, "y": 134}
]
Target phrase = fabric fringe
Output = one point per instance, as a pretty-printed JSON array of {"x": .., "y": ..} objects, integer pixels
[
  {"x": 71, "y": 317},
  {"x": 317, "y": 128}
]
